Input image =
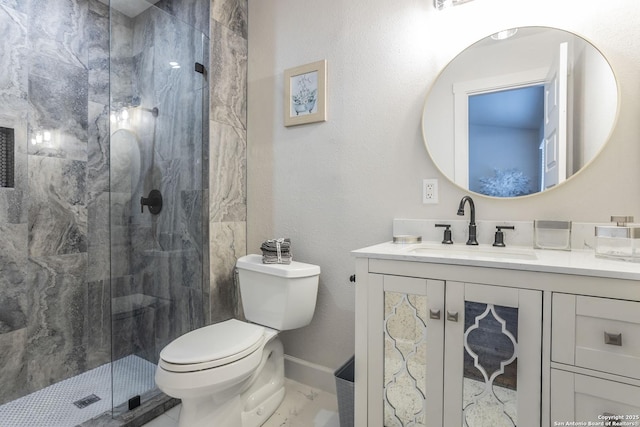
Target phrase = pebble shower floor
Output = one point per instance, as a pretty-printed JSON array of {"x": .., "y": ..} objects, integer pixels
[{"x": 53, "y": 406}]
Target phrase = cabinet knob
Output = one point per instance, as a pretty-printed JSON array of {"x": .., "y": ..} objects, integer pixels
[
  {"x": 434, "y": 314},
  {"x": 452, "y": 316},
  {"x": 613, "y": 339}
]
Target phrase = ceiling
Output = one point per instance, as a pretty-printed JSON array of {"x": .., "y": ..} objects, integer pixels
[
  {"x": 515, "y": 108},
  {"x": 131, "y": 8}
]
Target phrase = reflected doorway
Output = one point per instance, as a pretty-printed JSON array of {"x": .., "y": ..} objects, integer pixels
[{"x": 505, "y": 130}]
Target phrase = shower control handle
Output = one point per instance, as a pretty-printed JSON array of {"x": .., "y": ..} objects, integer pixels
[{"x": 153, "y": 202}]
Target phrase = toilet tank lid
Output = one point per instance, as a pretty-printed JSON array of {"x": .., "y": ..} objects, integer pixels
[{"x": 254, "y": 262}]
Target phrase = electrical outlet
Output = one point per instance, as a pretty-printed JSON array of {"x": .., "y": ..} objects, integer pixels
[{"x": 430, "y": 191}]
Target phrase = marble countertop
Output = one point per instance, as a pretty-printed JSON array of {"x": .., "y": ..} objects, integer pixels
[{"x": 576, "y": 262}]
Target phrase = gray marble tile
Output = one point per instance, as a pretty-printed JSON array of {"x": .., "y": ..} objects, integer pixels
[
  {"x": 177, "y": 92},
  {"x": 206, "y": 271},
  {"x": 98, "y": 60},
  {"x": 57, "y": 208},
  {"x": 133, "y": 334},
  {"x": 13, "y": 278},
  {"x": 232, "y": 14},
  {"x": 228, "y": 243},
  {"x": 227, "y": 168},
  {"x": 56, "y": 29},
  {"x": 98, "y": 219},
  {"x": 56, "y": 322},
  {"x": 125, "y": 167},
  {"x": 192, "y": 216},
  {"x": 59, "y": 104},
  {"x": 143, "y": 241},
  {"x": 179, "y": 315},
  {"x": 12, "y": 206},
  {"x": 98, "y": 323},
  {"x": 179, "y": 223},
  {"x": 17, "y": 5},
  {"x": 120, "y": 209},
  {"x": 97, "y": 7},
  {"x": 121, "y": 59},
  {"x": 193, "y": 12},
  {"x": 120, "y": 252},
  {"x": 14, "y": 59},
  {"x": 98, "y": 236},
  {"x": 13, "y": 365},
  {"x": 98, "y": 148},
  {"x": 228, "y": 103},
  {"x": 123, "y": 286}
]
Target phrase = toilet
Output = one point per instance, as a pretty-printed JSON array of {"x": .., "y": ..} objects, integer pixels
[{"x": 231, "y": 374}]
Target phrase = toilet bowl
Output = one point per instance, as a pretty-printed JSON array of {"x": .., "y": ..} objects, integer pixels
[{"x": 231, "y": 374}]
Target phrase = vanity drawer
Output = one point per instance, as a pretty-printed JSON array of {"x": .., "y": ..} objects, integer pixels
[
  {"x": 586, "y": 399},
  {"x": 597, "y": 333}
]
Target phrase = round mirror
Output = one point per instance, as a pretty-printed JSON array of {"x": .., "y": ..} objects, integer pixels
[{"x": 520, "y": 111}]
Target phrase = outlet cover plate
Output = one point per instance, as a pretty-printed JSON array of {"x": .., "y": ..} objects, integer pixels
[{"x": 429, "y": 191}]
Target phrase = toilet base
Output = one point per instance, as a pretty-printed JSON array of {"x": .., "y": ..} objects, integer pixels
[
  {"x": 247, "y": 404},
  {"x": 259, "y": 415}
]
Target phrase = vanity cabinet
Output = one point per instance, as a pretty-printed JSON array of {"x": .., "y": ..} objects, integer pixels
[
  {"x": 448, "y": 341},
  {"x": 449, "y": 353},
  {"x": 595, "y": 359}
]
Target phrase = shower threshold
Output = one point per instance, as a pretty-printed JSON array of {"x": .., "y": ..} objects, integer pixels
[{"x": 53, "y": 406}]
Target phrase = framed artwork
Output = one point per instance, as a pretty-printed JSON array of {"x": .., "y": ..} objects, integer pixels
[{"x": 305, "y": 94}]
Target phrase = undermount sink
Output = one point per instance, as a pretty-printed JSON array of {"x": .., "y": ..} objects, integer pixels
[{"x": 472, "y": 251}]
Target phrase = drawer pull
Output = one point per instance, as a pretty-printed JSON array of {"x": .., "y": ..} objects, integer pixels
[
  {"x": 613, "y": 339},
  {"x": 434, "y": 314},
  {"x": 452, "y": 316}
]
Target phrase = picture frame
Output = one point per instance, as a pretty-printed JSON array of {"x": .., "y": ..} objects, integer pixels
[{"x": 305, "y": 94}]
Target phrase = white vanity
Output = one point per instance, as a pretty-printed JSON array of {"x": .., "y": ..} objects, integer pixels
[{"x": 451, "y": 335}]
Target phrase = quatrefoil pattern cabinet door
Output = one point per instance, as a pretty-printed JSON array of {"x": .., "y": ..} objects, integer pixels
[
  {"x": 493, "y": 338},
  {"x": 413, "y": 335}
]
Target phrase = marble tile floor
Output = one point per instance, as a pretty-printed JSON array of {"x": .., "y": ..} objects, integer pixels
[
  {"x": 303, "y": 406},
  {"x": 53, "y": 406}
]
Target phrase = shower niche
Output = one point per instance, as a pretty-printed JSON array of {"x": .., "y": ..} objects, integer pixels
[{"x": 7, "y": 172}]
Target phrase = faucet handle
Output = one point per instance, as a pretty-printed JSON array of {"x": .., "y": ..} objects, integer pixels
[
  {"x": 499, "y": 240},
  {"x": 446, "y": 240}
]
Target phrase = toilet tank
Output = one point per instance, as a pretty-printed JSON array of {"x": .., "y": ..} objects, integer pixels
[{"x": 280, "y": 296}]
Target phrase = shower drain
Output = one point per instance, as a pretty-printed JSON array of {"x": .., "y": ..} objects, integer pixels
[{"x": 86, "y": 401}]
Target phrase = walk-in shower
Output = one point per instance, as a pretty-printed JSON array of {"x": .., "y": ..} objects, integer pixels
[{"x": 103, "y": 104}]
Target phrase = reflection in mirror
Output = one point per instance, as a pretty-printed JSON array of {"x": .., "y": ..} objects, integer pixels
[
  {"x": 513, "y": 117},
  {"x": 490, "y": 385}
]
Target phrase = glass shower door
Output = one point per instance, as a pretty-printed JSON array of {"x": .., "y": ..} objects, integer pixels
[{"x": 158, "y": 116}]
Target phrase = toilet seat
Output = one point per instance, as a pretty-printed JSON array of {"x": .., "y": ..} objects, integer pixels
[{"x": 212, "y": 346}]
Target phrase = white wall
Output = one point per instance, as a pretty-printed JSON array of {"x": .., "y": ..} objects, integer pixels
[{"x": 336, "y": 186}]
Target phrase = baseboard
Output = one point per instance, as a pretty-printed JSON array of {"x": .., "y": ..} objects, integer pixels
[{"x": 308, "y": 373}]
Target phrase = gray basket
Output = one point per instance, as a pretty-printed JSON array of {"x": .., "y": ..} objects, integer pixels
[{"x": 344, "y": 390}]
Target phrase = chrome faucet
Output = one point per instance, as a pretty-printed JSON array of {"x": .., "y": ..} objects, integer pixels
[{"x": 472, "y": 220}]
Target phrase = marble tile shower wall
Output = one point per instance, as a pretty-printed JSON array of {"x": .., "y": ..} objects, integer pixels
[
  {"x": 157, "y": 260},
  {"x": 53, "y": 78},
  {"x": 227, "y": 157},
  {"x": 55, "y": 295}
]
